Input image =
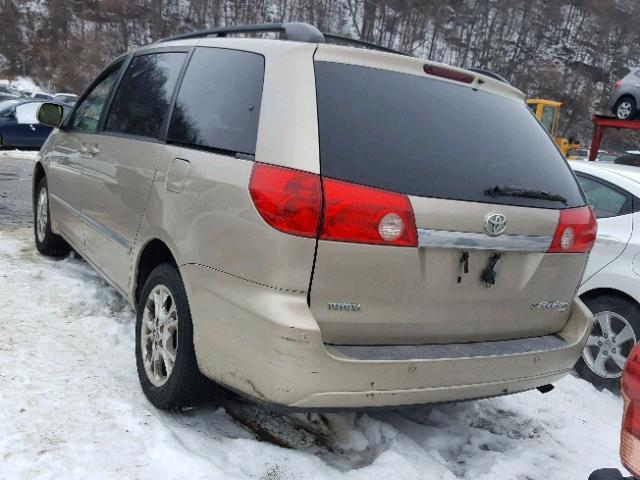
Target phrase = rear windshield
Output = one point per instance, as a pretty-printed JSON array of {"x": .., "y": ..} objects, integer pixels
[{"x": 433, "y": 138}]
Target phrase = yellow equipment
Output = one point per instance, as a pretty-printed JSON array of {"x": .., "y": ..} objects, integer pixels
[{"x": 548, "y": 113}]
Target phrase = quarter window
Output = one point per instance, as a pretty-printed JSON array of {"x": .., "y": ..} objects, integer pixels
[
  {"x": 143, "y": 98},
  {"x": 605, "y": 200},
  {"x": 218, "y": 104},
  {"x": 88, "y": 113}
]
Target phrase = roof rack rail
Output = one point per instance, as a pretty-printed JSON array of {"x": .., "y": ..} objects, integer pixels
[
  {"x": 296, "y": 31},
  {"x": 362, "y": 43},
  {"x": 300, "y": 32},
  {"x": 489, "y": 73}
]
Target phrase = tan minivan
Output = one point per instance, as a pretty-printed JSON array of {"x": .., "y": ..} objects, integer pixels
[{"x": 320, "y": 226}]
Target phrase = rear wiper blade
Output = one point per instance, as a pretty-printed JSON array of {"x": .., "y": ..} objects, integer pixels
[{"x": 513, "y": 191}]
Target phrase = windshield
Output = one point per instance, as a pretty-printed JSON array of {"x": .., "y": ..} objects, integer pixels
[{"x": 432, "y": 138}]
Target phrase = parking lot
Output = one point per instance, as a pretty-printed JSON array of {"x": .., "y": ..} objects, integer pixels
[{"x": 70, "y": 400}]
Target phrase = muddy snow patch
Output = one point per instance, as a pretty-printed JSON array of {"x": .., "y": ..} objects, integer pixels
[{"x": 70, "y": 406}]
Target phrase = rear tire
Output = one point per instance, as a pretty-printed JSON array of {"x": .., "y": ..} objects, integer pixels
[
  {"x": 616, "y": 330},
  {"x": 165, "y": 356},
  {"x": 625, "y": 109},
  {"x": 47, "y": 242}
]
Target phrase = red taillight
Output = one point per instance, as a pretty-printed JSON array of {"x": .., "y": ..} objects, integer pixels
[
  {"x": 291, "y": 201},
  {"x": 288, "y": 200},
  {"x": 353, "y": 213},
  {"x": 630, "y": 437},
  {"x": 576, "y": 231},
  {"x": 449, "y": 73},
  {"x": 617, "y": 85}
]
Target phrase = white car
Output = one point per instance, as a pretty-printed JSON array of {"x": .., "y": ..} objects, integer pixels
[
  {"x": 41, "y": 96},
  {"x": 68, "y": 98},
  {"x": 611, "y": 282}
]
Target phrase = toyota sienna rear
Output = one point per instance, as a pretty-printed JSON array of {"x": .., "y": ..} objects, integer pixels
[{"x": 320, "y": 226}]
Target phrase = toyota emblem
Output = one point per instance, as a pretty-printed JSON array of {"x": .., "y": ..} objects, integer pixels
[{"x": 495, "y": 224}]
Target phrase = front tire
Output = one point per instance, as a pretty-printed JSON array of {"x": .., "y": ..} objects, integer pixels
[
  {"x": 625, "y": 109},
  {"x": 47, "y": 242},
  {"x": 616, "y": 331},
  {"x": 165, "y": 356}
]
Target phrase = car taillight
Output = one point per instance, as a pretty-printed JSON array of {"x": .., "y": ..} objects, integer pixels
[
  {"x": 630, "y": 435},
  {"x": 288, "y": 200},
  {"x": 617, "y": 85},
  {"x": 576, "y": 231},
  {"x": 291, "y": 201},
  {"x": 354, "y": 213}
]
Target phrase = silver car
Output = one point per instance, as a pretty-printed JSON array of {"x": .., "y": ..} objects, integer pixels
[
  {"x": 314, "y": 226},
  {"x": 625, "y": 96}
]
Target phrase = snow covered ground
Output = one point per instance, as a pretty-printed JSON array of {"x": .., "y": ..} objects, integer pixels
[
  {"x": 71, "y": 407},
  {"x": 19, "y": 154}
]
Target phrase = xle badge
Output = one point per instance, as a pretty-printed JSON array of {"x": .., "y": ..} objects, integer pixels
[
  {"x": 550, "y": 305},
  {"x": 344, "y": 307}
]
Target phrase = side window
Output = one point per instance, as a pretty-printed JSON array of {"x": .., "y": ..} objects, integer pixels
[
  {"x": 218, "y": 104},
  {"x": 143, "y": 98},
  {"x": 605, "y": 200},
  {"x": 548, "y": 117},
  {"x": 87, "y": 115},
  {"x": 28, "y": 113}
]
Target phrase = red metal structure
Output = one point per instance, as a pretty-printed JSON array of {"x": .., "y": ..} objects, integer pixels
[{"x": 602, "y": 123}]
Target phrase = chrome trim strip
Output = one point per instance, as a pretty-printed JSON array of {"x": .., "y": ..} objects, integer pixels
[
  {"x": 480, "y": 241},
  {"x": 106, "y": 231}
]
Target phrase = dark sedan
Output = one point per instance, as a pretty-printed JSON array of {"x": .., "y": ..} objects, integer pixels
[{"x": 19, "y": 126}]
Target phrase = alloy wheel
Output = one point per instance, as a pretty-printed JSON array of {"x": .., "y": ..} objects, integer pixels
[
  {"x": 624, "y": 110},
  {"x": 159, "y": 335},
  {"x": 42, "y": 214},
  {"x": 609, "y": 345}
]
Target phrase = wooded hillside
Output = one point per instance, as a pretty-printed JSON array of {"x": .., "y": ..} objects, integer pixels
[{"x": 568, "y": 50}]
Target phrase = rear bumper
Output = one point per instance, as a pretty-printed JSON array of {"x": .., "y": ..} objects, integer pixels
[{"x": 265, "y": 343}]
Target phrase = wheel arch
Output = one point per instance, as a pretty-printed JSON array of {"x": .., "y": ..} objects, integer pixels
[
  {"x": 630, "y": 95},
  {"x": 38, "y": 174},
  {"x": 601, "y": 291},
  {"x": 153, "y": 253}
]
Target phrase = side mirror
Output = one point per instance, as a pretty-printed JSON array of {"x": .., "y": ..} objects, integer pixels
[
  {"x": 51, "y": 114},
  {"x": 11, "y": 113}
]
